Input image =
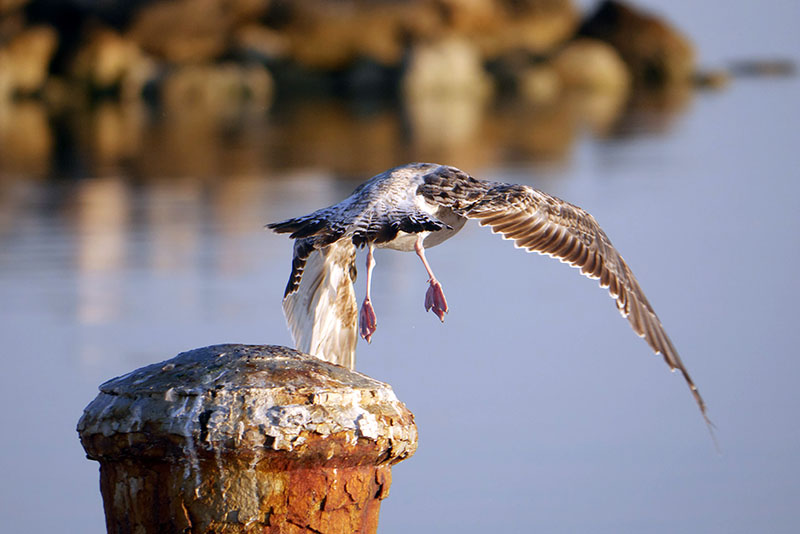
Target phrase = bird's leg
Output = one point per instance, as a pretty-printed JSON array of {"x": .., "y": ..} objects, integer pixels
[
  {"x": 367, "y": 319},
  {"x": 434, "y": 298}
]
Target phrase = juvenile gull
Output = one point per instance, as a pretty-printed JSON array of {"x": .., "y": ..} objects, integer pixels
[{"x": 417, "y": 206}]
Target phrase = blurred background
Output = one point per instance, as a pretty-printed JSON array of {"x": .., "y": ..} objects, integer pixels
[{"x": 143, "y": 146}]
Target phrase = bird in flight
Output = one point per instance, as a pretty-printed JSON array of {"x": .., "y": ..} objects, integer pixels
[{"x": 417, "y": 206}]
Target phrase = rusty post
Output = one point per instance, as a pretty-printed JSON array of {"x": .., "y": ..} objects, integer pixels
[{"x": 243, "y": 438}]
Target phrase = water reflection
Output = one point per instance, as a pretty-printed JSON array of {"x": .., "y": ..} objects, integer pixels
[
  {"x": 164, "y": 177},
  {"x": 655, "y": 111},
  {"x": 112, "y": 135},
  {"x": 173, "y": 219},
  {"x": 102, "y": 219},
  {"x": 181, "y": 140},
  {"x": 149, "y": 184},
  {"x": 152, "y": 243},
  {"x": 26, "y": 139}
]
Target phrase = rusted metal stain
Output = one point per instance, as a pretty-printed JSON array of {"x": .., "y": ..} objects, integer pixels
[{"x": 197, "y": 445}]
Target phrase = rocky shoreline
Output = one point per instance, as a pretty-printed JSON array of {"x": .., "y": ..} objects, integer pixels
[
  {"x": 78, "y": 50},
  {"x": 209, "y": 87}
]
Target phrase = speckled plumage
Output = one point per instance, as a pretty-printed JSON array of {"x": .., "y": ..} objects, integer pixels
[{"x": 395, "y": 207}]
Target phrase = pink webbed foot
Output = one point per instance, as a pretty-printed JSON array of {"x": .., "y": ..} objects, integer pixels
[
  {"x": 435, "y": 301},
  {"x": 367, "y": 320}
]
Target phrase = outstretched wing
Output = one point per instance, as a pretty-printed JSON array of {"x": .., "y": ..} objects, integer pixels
[
  {"x": 320, "y": 301},
  {"x": 541, "y": 223}
]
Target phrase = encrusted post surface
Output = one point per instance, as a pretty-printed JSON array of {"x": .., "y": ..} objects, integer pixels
[{"x": 245, "y": 438}]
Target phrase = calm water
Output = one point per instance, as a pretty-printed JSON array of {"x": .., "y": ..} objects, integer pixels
[{"x": 537, "y": 407}]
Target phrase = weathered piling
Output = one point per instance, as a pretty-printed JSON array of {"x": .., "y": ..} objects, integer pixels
[{"x": 242, "y": 438}]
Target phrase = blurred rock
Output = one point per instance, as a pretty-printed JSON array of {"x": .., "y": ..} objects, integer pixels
[
  {"x": 540, "y": 84},
  {"x": 107, "y": 61},
  {"x": 260, "y": 43},
  {"x": 331, "y": 35},
  {"x": 451, "y": 66},
  {"x": 353, "y": 45},
  {"x": 711, "y": 79},
  {"x": 242, "y": 11},
  {"x": 8, "y": 6},
  {"x": 446, "y": 90},
  {"x": 655, "y": 52},
  {"x": 589, "y": 64},
  {"x": 468, "y": 16},
  {"x": 24, "y": 61},
  {"x": 322, "y": 36},
  {"x": 11, "y": 25},
  {"x": 536, "y": 26},
  {"x": 381, "y": 32},
  {"x": 498, "y": 27},
  {"x": 183, "y": 31}
]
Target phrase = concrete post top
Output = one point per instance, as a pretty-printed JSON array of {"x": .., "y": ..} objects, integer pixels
[{"x": 249, "y": 400}]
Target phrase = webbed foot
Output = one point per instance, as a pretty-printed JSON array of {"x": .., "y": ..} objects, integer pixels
[
  {"x": 368, "y": 321},
  {"x": 434, "y": 299}
]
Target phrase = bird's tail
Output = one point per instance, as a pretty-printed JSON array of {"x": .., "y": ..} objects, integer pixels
[
  {"x": 302, "y": 227},
  {"x": 321, "y": 311}
]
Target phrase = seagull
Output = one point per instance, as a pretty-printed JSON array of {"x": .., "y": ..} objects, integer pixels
[{"x": 417, "y": 206}]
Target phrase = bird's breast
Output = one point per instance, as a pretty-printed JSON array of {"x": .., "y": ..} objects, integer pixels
[
  {"x": 453, "y": 221},
  {"x": 403, "y": 241}
]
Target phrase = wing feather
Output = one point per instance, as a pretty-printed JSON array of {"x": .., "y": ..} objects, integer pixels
[
  {"x": 320, "y": 302},
  {"x": 541, "y": 223}
]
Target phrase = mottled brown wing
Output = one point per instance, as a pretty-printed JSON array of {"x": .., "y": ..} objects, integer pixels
[{"x": 541, "y": 223}]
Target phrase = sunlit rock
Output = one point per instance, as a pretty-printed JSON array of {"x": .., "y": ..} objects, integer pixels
[
  {"x": 655, "y": 51},
  {"x": 24, "y": 61},
  {"x": 108, "y": 61},
  {"x": 539, "y": 84},
  {"x": 591, "y": 65},
  {"x": 12, "y": 23},
  {"x": 712, "y": 79},
  {"x": 8, "y": 6},
  {"x": 450, "y": 67},
  {"x": 501, "y": 26},
  {"x": 183, "y": 30},
  {"x": 445, "y": 89},
  {"x": 262, "y": 43},
  {"x": 332, "y": 35}
]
